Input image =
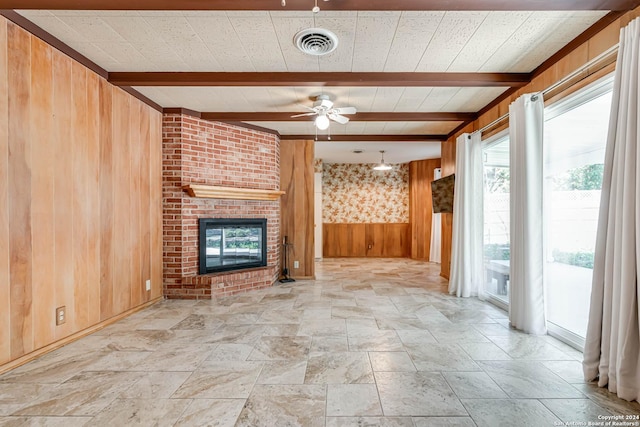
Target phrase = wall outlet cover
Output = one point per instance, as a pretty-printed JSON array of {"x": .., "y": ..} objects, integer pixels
[
  {"x": 61, "y": 315},
  {"x": 148, "y": 284},
  {"x": 296, "y": 264}
]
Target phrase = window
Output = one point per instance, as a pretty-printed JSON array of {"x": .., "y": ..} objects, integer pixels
[{"x": 575, "y": 137}]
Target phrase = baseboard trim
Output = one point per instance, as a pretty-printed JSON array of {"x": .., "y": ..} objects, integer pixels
[{"x": 71, "y": 338}]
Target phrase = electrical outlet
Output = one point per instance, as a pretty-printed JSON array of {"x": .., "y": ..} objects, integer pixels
[
  {"x": 148, "y": 284},
  {"x": 296, "y": 264},
  {"x": 61, "y": 315}
]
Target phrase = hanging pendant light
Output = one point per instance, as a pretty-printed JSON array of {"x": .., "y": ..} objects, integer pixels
[{"x": 382, "y": 166}]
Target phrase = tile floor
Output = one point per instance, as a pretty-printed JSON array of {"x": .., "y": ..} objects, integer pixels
[{"x": 372, "y": 342}]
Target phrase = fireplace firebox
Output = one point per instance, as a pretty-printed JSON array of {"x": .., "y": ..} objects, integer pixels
[{"x": 228, "y": 244}]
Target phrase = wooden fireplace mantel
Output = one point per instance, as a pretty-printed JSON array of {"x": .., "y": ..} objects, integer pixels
[{"x": 215, "y": 192}]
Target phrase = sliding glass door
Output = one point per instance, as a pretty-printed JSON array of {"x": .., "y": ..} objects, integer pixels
[
  {"x": 575, "y": 139},
  {"x": 496, "y": 219}
]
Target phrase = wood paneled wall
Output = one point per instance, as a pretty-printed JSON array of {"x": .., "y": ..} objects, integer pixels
[
  {"x": 366, "y": 240},
  {"x": 297, "y": 204},
  {"x": 80, "y": 196},
  {"x": 420, "y": 206},
  {"x": 448, "y": 165}
]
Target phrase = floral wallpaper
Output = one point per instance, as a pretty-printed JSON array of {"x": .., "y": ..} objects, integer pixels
[
  {"x": 317, "y": 165},
  {"x": 355, "y": 193}
]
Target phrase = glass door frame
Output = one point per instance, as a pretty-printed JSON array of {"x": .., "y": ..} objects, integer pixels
[
  {"x": 488, "y": 143},
  {"x": 582, "y": 96}
]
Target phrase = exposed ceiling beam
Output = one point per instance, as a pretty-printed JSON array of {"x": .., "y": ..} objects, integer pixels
[
  {"x": 319, "y": 79},
  {"x": 358, "y": 117},
  {"x": 369, "y": 138},
  {"x": 329, "y": 5}
]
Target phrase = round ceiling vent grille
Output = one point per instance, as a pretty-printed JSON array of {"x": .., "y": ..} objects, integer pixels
[{"x": 316, "y": 41}]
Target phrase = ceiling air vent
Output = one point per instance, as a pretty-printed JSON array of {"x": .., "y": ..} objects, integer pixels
[{"x": 316, "y": 41}]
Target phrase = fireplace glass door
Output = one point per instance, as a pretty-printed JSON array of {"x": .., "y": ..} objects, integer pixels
[{"x": 232, "y": 244}]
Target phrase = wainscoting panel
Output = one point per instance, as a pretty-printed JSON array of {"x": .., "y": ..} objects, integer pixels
[{"x": 366, "y": 240}]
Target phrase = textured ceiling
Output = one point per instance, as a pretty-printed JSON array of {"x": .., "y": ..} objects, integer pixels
[{"x": 369, "y": 41}]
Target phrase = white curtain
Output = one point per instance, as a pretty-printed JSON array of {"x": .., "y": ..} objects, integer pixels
[
  {"x": 436, "y": 228},
  {"x": 526, "y": 284},
  {"x": 466, "y": 246},
  {"x": 612, "y": 347}
]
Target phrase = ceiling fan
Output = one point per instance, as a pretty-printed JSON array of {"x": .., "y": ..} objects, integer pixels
[{"x": 324, "y": 109}]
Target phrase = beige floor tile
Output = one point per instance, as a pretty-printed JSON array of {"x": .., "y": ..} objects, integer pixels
[
  {"x": 528, "y": 380},
  {"x": 283, "y": 372},
  {"x": 507, "y": 413},
  {"x": 417, "y": 394},
  {"x": 371, "y": 342},
  {"x": 155, "y": 412},
  {"x": 351, "y": 400},
  {"x": 369, "y": 422},
  {"x": 473, "y": 385},
  {"x": 203, "y": 412},
  {"x": 397, "y": 361},
  {"x": 575, "y": 410},
  {"x": 339, "y": 368},
  {"x": 284, "y": 405},
  {"x": 281, "y": 348},
  {"x": 443, "y": 422}
]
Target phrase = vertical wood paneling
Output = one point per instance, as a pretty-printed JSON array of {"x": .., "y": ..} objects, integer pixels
[
  {"x": 381, "y": 240},
  {"x": 448, "y": 153},
  {"x": 122, "y": 181},
  {"x": 145, "y": 205},
  {"x": 80, "y": 181},
  {"x": 42, "y": 193},
  {"x": 135, "y": 278},
  {"x": 19, "y": 48},
  {"x": 420, "y": 206},
  {"x": 80, "y": 194},
  {"x": 93, "y": 198},
  {"x": 374, "y": 235},
  {"x": 344, "y": 240},
  {"x": 5, "y": 315},
  {"x": 296, "y": 180},
  {"x": 155, "y": 211},
  {"x": 397, "y": 240},
  {"x": 63, "y": 188},
  {"x": 107, "y": 229}
]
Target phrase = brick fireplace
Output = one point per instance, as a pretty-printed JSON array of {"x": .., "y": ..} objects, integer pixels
[{"x": 201, "y": 152}]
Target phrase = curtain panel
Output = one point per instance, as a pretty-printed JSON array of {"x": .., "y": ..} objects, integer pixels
[
  {"x": 467, "y": 276},
  {"x": 612, "y": 347},
  {"x": 526, "y": 280}
]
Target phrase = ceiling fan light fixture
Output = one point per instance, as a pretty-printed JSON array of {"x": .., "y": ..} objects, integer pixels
[
  {"x": 382, "y": 166},
  {"x": 322, "y": 122}
]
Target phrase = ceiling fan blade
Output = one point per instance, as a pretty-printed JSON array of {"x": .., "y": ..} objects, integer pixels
[
  {"x": 338, "y": 118},
  {"x": 344, "y": 110},
  {"x": 304, "y": 114}
]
